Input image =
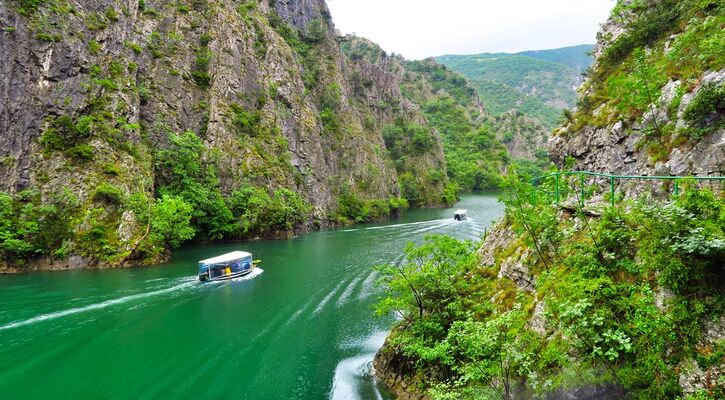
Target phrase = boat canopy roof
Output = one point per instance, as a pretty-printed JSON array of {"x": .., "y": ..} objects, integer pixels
[
  {"x": 226, "y": 258},
  {"x": 460, "y": 211}
]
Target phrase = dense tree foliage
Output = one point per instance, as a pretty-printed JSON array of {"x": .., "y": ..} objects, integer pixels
[
  {"x": 469, "y": 330},
  {"x": 536, "y": 83},
  {"x": 474, "y": 155},
  {"x": 248, "y": 211},
  {"x": 29, "y": 228}
]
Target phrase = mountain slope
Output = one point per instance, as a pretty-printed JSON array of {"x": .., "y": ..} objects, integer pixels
[
  {"x": 536, "y": 83},
  {"x": 577, "y": 58},
  {"x": 129, "y": 128},
  {"x": 578, "y": 294},
  {"x": 477, "y": 146}
]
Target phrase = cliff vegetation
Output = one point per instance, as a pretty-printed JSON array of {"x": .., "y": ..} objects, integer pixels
[{"x": 573, "y": 297}]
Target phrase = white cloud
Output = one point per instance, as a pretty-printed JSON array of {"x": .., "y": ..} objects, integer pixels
[{"x": 424, "y": 28}]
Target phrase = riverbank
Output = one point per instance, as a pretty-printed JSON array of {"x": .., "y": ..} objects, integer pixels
[{"x": 48, "y": 263}]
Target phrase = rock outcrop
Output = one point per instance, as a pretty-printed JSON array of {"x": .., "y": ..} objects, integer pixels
[
  {"x": 92, "y": 90},
  {"x": 619, "y": 148}
]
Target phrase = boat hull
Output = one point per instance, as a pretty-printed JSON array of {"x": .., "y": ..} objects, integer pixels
[{"x": 205, "y": 278}]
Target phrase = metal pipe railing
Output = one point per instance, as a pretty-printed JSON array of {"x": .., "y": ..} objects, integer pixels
[{"x": 612, "y": 178}]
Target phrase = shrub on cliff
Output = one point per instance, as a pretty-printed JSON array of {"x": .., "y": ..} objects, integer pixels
[
  {"x": 29, "y": 228},
  {"x": 182, "y": 173},
  {"x": 600, "y": 281},
  {"x": 261, "y": 212},
  {"x": 171, "y": 221}
]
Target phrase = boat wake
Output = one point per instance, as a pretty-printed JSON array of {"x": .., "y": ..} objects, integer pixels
[
  {"x": 409, "y": 224},
  {"x": 327, "y": 298},
  {"x": 353, "y": 375},
  {"x": 187, "y": 282}
]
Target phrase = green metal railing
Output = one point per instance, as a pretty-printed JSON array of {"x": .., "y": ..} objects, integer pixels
[{"x": 612, "y": 181}]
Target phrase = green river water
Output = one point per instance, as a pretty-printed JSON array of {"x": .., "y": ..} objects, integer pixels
[{"x": 301, "y": 329}]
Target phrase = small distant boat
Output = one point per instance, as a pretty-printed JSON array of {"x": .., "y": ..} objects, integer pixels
[
  {"x": 227, "y": 266},
  {"x": 460, "y": 215}
]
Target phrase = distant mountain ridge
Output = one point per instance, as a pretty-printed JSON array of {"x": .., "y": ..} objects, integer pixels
[
  {"x": 538, "y": 83},
  {"x": 574, "y": 57}
]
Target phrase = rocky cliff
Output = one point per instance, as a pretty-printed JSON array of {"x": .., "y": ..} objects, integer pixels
[
  {"x": 97, "y": 96},
  {"x": 654, "y": 102},
  {"x": 571, "y": 300}
]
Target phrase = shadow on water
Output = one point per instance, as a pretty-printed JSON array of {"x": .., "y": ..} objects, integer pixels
[{"x": 303, "y": 329}]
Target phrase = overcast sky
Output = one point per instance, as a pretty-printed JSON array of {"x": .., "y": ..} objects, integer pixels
[{"x": 424, "y": 28}]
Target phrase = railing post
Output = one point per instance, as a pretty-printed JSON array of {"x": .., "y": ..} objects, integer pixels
[
  {"x": 611, "y": 189},
  {"x": 677, "y": 188},
  {"x": 556, "y": 187},
  {"x": 581, "y": 184}
]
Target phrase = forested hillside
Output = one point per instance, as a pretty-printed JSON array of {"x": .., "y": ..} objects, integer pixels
[
  {"x": 536, "y": 83},
  {"x": 478, "y": 146},
  {"x": 128, "y": 129},
  {"x": 591, "y": 287}
]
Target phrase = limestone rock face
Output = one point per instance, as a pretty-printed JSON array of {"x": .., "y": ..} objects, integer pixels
[
  {"x": 618, "y": 148},
  {"x": 497, "y": 239},
  {"x": 395, "y": 370},
  {"x": 514, "y": 267},
  {"x": 121, "y": 76},
  {"x": 692, "y": 376}
]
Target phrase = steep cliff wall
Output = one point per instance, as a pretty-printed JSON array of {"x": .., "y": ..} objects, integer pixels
[
  {"x": 571, "y": 300},
  {"x": 653, "y": 104},
  {"x": 96, "y": 96}
]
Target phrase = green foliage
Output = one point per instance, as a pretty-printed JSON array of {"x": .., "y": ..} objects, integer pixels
[
  {"x": 361, "y": 49},
  {"x": 28, "y": 7},
  {"x": 181, "y": 173},
  {"x": 72, "y": 134},
  {"x": 155, "y": 44},
  {"x": 259, "y": 212},
  {"x": 171, "y": 221},
  {"x": 410, "y": 189},
  {"x": 248, "y": 123},
  {"x": 473, "y": 154},
  {"x": 245, "y": 8},
  {"x": 65, "y": 132},
  {"x": 81, "y": 152},
  {"x": 405, "y": 139},
  {"x": 637, "y": 88},
  {"x": 31, "y": 228},
  {"x": 135, "y": 47},
  {"x": 600, "y": 279},
  {"x": 441, "y": 79},
  {"x": 96, "y": 21},
  {"x": 351, "y": 208},
  {"x": 450, "y": 194},
  {"x": 497, "y": 351},
  {"x": 425, "y": 284},
  {"x": 200, "y": 72},
  {"x": 248, "y": 211},
  {"x": 94, "y": 47},
  {"x": 505, "y": 82},
  {"x": 105, "y": 192},
  {"x": 646, "y": 21},
  {"x": 699, "y": 48},
  {"x": 663, "y": 41},
  {"x": 706, "y": 112},
  {"x": 111, "y": 169},
  {"x": 315, "y": 31},
  {"x": 427, "y": 291}
]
